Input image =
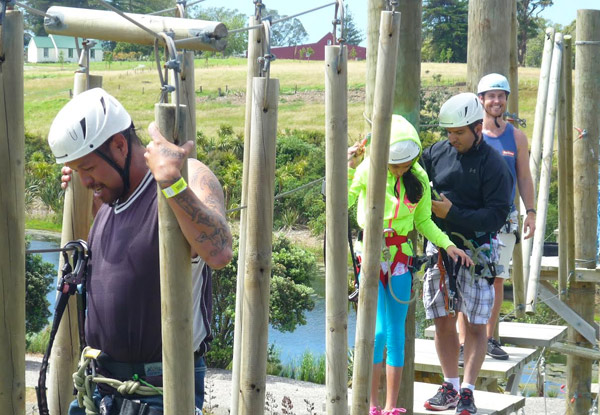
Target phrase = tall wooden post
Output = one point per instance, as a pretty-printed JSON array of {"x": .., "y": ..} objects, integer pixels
[
  {"x": 407, "y": 104},
  {"x": 382, "y": 118},
  {"x": 488, "y": 39},
  {"x": 255, "y": 47},
  {"x": 538, "y": 131},
  {"x": 188, "y": 97},
  {"x": 336, "y": 197},
  {"x": 12, "y": 227},
  {"x": 77, "y": 217},
  {"x": 545, "y": 176},
  {"x": 513, "y": 107},
  {"x": 175, "y": 288},
  {"x": 585, "y": 165},
  {"x": 566, "y": 260},
  {"x": 258, "y": 249},
  {"x": 374, "y": 9}
]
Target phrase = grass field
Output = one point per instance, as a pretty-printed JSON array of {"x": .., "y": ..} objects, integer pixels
[{"x": 301, "y": 104}]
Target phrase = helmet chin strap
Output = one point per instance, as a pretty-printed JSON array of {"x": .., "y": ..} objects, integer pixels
[
  {"x": 123, "y": 172},
  {"x": 496, "y": 122}
]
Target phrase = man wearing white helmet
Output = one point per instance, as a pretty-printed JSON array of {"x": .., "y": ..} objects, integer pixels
[
  {"x": 94, "y": 135},
  {"x": 474, "y": 186},
  {"x": 511, "y": 143}
]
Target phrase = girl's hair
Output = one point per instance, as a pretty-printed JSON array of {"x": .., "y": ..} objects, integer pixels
[{"x": 412, "y": 185}]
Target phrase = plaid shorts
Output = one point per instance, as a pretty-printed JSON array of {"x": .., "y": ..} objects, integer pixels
[{"x": 475, "y": 296}]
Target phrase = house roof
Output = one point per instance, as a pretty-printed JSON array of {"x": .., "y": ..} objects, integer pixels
[{"x": 62, "y": 42}]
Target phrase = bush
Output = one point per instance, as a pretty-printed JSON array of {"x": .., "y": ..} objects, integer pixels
[
  {"x": 290, "y": 298},
  {"x": 39, "y": 276}
]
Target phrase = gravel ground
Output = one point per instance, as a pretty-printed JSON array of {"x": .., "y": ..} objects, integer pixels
[{"x": 301, "y": 394}]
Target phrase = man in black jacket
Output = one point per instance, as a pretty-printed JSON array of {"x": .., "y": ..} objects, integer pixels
[{"x": 474, "y": 186}]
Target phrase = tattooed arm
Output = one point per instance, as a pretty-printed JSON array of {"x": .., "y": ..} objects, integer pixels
[{"x": 200, "y": 209}]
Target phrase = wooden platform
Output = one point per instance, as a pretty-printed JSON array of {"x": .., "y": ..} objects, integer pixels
[
  {"x": 426, "y": 360},
  {"x": 549, "y": 270},
  {"x": 487, "y": 402},
  {"x": 523, "y": 334}
]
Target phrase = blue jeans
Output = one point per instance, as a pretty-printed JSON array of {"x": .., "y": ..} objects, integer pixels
[{"x": 156, "y": 401}]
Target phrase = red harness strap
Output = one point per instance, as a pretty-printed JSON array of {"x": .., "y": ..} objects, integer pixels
[{"x": 400, "y": 257}]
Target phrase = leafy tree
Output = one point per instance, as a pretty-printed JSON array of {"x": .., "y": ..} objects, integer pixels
[
  {"x": 233, "y": 19},
  {"x": 290, "y": 297},
  {"x": 530, "y": 24},
  {"x": 445, "y": 28},
  {"x": 39, "y": 276},
  {"x": 352, "y": 34},
  {"x": 288, "y": 33}
]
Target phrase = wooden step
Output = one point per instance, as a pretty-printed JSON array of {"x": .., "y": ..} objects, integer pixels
[
  {"x": 523, "y": 334},
  {"x": 426, "y": 360},
  {"x": 486, "y": 402}
]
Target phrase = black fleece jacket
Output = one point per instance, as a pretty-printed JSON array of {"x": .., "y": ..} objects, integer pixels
[{"x": 478, "y": 183}]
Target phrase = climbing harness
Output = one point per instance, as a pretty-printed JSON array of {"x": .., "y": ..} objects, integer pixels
[
  {"x": 484, "y": 265},
  {"x": 72, "y": 282}
]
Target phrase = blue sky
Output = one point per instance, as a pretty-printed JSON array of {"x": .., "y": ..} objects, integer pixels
[{"x": 318, "y": 23}]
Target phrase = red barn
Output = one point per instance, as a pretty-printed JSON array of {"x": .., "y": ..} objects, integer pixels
[{"x": 318, "y": 50}]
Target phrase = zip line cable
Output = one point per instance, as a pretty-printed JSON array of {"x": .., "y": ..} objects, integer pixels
[
  {"x": 185, "y": 4},
  {"x": 33, "y": 11}
]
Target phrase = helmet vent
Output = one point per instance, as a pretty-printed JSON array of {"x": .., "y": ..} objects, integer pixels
[
  {"x": 82, "y": 123},
  {"x": 103, "y": 105}
]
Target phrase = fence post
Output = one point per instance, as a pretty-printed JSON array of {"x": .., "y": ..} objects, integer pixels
[
  {"x": 175, "y": 287},
  {"x": 12, "y": 208},
  {"x": 585, "y": 165},
  {"x": 367, "y": 300},
  {"x": 259, "y": 246},
  {"x": 336, "y": 197}
]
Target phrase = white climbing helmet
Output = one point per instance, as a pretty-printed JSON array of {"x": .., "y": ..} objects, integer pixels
[
  {"x": 461, "y": 110},
  {"x": 491, "y": 82},
  {"x": 85, "y": 123},
  {"x": 404, "y": 141}
]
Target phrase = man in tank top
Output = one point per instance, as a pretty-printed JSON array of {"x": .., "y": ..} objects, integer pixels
[
  {"x": 493, "y": 90},
  {"x": 94, "y": 135}
]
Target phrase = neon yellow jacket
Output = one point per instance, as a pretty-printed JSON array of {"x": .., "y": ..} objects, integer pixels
[{"x": 407, "y": 215}]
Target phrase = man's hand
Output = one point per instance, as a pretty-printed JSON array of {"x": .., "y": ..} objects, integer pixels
[
  {"x": 440, "y": 208},
  {"x": 165, "y": 159},
  {"x": 67, "y": 174},
  {"x": 529, "y": 225}
]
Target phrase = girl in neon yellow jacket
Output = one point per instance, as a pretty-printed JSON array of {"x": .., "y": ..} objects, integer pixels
[{"x": 407, "y": 205}]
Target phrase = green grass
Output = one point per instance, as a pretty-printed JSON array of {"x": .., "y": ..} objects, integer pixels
[{"x": 44, "y": 224}]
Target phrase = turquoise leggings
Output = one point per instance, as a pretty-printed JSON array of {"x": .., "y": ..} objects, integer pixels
[{"x": 391, "y": 319}]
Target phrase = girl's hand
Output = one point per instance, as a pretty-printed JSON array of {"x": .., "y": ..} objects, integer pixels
[
  {"x": 458, "y": 255},
  {"x": 355, "y": 155}
]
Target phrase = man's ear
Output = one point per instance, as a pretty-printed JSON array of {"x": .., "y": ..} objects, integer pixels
[
  {"x": 478, "y": 129},
  {"x": 481, "y": 98},
  {"x": 119, "y": 145}
]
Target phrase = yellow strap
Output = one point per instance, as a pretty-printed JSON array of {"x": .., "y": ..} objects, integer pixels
[{"x": 176, "y": 188}]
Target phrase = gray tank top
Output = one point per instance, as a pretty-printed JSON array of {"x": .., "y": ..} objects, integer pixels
[{"x": 123, "y": 317}]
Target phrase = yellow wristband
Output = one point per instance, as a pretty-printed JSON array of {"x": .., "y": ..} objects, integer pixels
[{"x": 176, "y": 188}]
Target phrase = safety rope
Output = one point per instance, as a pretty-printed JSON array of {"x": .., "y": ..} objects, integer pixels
[
  {"x": 85, "y": 384},
  {"x": 280, "y": 195}
]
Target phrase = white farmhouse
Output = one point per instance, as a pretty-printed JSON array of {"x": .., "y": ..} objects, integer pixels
[{"x": 49, "y": 49}]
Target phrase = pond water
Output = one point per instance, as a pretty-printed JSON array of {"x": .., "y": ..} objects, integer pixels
[{"x": 312, "y": 334}]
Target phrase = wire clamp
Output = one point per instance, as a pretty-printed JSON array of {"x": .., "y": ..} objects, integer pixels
[{"x": 167, "y": 88}]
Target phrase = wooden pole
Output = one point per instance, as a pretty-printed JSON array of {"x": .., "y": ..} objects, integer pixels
[
  {"x": 374, "y": 9},
  {"x": 12, "y": 227},
  {"x": 407, "y": 103},
  {"x": 488, "y": 39},
  {"x": 585, "y": 165},
  {"x": 336, "y": 197},
  {"x": 188, "y": 96},
  {"x": 258, "y": 248},
  {"x": 175, "y": 288},
  {"x": 545, "y": 177},
  {"x": 538, "y": 132},
  {"x": 77, "y": 217},
  {"x": 513, "y": 107},
  {"x": 565, "y": 164},
  {"x": 255, "y": 50},
  {"x": 382, "y": 118},
  {"x": 107, "y": 25}
]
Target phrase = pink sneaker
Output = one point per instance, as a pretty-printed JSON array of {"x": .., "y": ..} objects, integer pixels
[
  {"x": 374, "y": 411},
  {"x": 394, "y": 411}
]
